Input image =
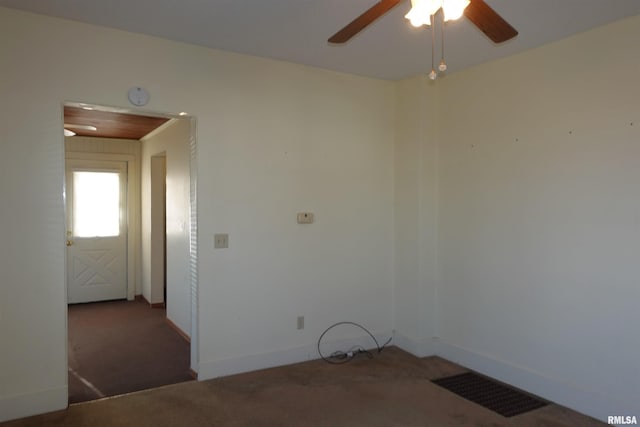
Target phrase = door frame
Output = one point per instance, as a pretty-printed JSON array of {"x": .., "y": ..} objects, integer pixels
[
  {"x": 133, "y": 210},
  {"x": 133, "y": 246}
]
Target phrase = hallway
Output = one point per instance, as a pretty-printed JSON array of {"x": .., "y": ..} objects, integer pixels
[{"x": 118, "y": 347}]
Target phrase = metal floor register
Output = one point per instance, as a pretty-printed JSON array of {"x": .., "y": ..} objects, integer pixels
[{"x": 500, "y": 398}]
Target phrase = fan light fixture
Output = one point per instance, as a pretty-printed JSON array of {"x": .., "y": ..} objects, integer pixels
[
  {"x": 422, "y": 10},
  {"x": 69, "y": 126}
]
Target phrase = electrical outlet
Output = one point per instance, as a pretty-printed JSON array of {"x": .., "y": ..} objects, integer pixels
[
  {"x": 300, "y": 322},
  {"x": 305, "y": 218},
  {"x": 221, "y": 241}
]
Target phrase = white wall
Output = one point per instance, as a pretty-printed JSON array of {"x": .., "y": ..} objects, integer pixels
[
  {"x": 539, "y": 220},
  {"x": 299, "y": 140},
  {"x": 273, "y": 139},
  {"x": 415, "y": 215},
  {"x": 172, "y": 142}
]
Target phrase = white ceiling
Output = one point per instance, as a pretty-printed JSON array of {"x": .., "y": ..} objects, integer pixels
[{"x": 297, "y": 30}]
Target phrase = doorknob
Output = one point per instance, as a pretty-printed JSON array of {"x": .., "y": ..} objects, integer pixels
[{"x": 69, "y": 242}]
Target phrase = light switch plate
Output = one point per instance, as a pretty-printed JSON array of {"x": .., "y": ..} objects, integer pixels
[
  {"x": 305, "y": 218},
  {"x": 300, "y": 322},
  {"x": 221, "y": 241}
]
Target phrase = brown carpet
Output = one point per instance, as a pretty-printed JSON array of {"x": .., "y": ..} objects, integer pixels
[
  {"x": 119, "y": 347},
  {"x": 392, "y": 389}
]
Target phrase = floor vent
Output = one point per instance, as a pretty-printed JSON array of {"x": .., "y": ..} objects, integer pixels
[{"x": 506, "y": 401}]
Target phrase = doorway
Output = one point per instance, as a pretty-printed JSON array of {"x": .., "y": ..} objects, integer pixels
[
  {"x": 158, "y": 232},
  {"x": 96, "y": 197},
  {"x": 132, "y": 207}
]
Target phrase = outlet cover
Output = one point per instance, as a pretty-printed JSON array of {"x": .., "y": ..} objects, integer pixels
[
  {"x": 221, "y": 241},
  {"x": 305, "y": 218}
]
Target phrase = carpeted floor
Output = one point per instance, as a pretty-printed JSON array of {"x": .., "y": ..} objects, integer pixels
[
  {"x": 392, "y": 389},
  {"x": 118, "y": 347}
]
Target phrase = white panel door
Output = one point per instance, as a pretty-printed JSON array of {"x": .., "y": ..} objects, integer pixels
[{"x": 96, "y": 230}]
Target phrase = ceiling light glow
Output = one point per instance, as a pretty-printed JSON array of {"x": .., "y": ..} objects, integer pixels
[{"x": 422, "y": 10}]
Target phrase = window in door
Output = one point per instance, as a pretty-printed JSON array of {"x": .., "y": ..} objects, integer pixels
[{"x": 96, "y": 204}]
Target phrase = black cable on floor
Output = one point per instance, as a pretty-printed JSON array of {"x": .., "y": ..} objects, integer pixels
[{"x": 339, "y": 357}]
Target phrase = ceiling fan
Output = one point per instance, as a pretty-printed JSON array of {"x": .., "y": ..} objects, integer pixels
[
  {"x": 69, "y": 126},
  {"x": 477, "y": 11}
]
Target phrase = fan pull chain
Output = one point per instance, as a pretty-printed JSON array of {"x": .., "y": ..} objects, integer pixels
[
  {"x": 433, "y": 74},
  {"x": 443, "y": 65}
]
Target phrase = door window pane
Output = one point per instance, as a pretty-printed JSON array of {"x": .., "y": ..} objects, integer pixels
[{"x": 96, "y": 204}]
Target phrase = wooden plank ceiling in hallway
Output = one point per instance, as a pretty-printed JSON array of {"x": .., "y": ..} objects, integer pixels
[{"x": 89, "y": 121}]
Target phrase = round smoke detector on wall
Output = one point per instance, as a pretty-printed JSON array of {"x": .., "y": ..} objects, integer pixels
[{"x": 138, "y": 96}]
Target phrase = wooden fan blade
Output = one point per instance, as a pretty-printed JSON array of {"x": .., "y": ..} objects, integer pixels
[
  {"x": 489, "y": 22},
  {"x": 358, "y": 24}
]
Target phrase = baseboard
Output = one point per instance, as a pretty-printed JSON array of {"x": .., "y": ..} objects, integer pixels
[
  {"x": 28, "y": 404},
  {"x": 589, "y": 402},
  {"x": 237, "y": 365},
  {"x": 175, "y": 327},
  {"x": 154, "y": 305},
  {"x": 419, "y": 348}
]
